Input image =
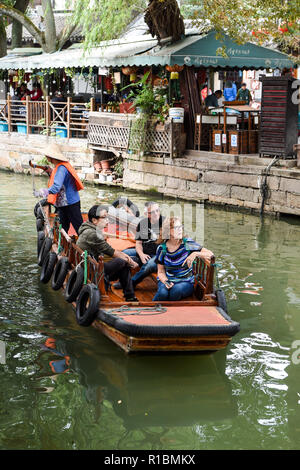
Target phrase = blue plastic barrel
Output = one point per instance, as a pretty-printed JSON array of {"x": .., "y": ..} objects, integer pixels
[
  {"x": 61, "y": 132},
  {"x": 3, "y": 126},
  {"x": 22, "y": 128}
]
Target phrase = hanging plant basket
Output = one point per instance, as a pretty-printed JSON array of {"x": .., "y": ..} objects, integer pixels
[
  {"x": 174, "y": 68},
  {"x": 129, "y": 70}
]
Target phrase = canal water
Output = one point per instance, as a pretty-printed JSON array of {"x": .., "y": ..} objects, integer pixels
[{"x": 67, "y": 387}]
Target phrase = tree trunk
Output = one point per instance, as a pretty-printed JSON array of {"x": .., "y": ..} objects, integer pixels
[
  {"x": 3, "y": 43},
  {"x": 50, "y": 30},
  {"x": 17, "y": 27},
  {"x": 26, "y": 22},
  {"x": 164, "y": 19}
]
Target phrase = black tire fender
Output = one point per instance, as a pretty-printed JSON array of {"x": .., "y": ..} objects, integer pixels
[
  {"x": 125, "y": 201},
  {"x": 48, "y": 267},
  {"x": 59, "y": 275},
  {"x": 40, "y": 240},
  {"x": 74, "y": 284},
  {"x": 43, "y": 203},
  {"x": 45, "y": 248},
  {"x": 87, "y": 304},
  {"x": 221, "y": 299},
  {"x": 39, "y": 224}
]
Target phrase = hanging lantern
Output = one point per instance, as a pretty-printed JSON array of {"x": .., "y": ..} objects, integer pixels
[{"x": 174, "y": 76}]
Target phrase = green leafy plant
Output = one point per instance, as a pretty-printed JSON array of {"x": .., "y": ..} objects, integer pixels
[
  {"x": 119, "y": 168},
  {"x": 152, "y": 107},
  {"x": 43, "y": 161},
  {"x": 42, "y": 123}
]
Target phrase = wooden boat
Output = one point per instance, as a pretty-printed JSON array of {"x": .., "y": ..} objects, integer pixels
[{"x": 198, "y": 323}]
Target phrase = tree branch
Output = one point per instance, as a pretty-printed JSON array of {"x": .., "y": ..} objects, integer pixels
[
  {"x": 65, "y": 34},
  {"x": 25, "y": 21}
]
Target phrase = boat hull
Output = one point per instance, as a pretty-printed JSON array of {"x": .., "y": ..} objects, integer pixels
[{"x": 131, "y": 344}]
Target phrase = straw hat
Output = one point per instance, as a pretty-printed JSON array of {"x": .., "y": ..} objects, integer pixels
[{"x": 54, "y": 151}]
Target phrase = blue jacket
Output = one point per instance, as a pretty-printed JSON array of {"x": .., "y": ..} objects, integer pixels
[
  {"x": 230, "y": 93},
  {"x": 64, "y": 183}
]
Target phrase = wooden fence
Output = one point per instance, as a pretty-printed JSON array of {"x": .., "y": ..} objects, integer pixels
[
  {"x": 112, "y": 132},
  {"x": 64, "y": 119}
]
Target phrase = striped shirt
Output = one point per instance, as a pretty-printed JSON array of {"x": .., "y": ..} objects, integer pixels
[{"x": 173, "y": 261}]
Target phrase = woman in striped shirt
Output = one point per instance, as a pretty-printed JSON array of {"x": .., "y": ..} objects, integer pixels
[{"x": 174, "y": 258}]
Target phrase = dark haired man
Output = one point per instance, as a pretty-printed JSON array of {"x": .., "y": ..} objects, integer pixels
[
  {"x": 92, "y": 239},
  {"x": 244, "y": 94},
  {"x": 211, "y": 101},
  {"x": 147, "y": 234}
]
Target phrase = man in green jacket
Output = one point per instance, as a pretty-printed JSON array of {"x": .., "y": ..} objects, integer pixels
[
  {"x": 244, "y": 94},
  {"x": 116, "y": 263}
]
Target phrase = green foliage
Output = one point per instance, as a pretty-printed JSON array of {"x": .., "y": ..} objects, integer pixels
[
  {"x": 107, "y": 19},
  {"x": 104, "y": 19},
  {"x": 243, "y": 20},
  {"x": 119, "y": 167},
  {"x": 150, "y": 101},
  {"x": 151, "y": 105},
  {"x": 43, "y": 161}
]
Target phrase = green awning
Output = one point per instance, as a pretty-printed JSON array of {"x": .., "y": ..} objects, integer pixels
[
  {"x": 198, "y": 50},
  {"x": 201, "y": 51}
]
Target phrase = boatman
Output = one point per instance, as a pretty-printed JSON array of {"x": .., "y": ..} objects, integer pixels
[{"x": 63, "y": 187}]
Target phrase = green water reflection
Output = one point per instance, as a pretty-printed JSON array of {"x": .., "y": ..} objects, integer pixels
[{"x": 66, "y": 387}]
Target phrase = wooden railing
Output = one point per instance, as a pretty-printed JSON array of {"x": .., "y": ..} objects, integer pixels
[
  {"x": 112, "y": 132},
  {"x": 64, "y": 119}
]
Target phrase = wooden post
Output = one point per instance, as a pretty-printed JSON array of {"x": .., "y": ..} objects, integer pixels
[
  {"x": 9, "y": 112},
  {"x": 47, "y": 115},
  {"x": 68, "y": 116},
  {"x": 93, "y": 104},
  {"x": 28, "y": 130},
  {"x": 172, "y": 139}
]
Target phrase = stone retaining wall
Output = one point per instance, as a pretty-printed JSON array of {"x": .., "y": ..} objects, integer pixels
[
  {"x": 218, "y": 179},
  {"x": 221, "y": 179},
  {"x": 17, "y": 149}
]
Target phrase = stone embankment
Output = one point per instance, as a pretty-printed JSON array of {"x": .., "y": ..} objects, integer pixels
[
  {"x": 228, "y": 180},
  {"x": 17, "y": 149},
  {"x": 218, "y": 179}
]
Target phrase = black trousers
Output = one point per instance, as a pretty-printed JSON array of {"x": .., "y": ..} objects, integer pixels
[
  {"x": 118, "y": 269},
  {"x": 70, "y": 214}
]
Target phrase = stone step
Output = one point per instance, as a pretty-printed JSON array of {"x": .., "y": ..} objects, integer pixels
[{"x": 254, "y": 159}]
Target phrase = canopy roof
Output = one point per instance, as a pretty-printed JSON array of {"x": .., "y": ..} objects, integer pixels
[
  {"x": 201, "y": 50},
  {"x": 197, "y": 50},
  {"x": 115, "y": 53}
]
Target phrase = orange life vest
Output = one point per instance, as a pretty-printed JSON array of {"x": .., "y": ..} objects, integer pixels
[{"x": 52, "y": 197}]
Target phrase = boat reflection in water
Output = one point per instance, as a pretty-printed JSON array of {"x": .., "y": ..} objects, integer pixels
[
  {"x": 160, "y": 390},
  {"x": 143, "y": 389}
]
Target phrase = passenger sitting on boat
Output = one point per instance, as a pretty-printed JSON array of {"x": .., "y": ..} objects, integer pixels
[
  {"x": 174, "y": 258},
  {"x": 147, "y": 234},
  {"x": 92, "y": 239}
]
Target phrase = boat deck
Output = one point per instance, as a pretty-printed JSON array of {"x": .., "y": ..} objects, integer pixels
[{"x": 144, "y": 292}]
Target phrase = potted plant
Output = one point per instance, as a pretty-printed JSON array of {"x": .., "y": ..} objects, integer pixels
[{"x": 151, "y": 102}]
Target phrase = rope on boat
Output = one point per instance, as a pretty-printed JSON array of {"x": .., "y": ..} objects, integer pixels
[
  {"x": 126, "y": 310},
  {"x": 59, "y": 248},
  {"x": 85, "y": 255}
]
